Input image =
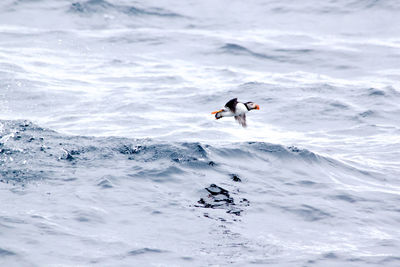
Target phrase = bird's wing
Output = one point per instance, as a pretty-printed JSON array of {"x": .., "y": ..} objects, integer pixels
[
  {"x": 241, "y": 119},
  {"x": 231, "y": 104}
]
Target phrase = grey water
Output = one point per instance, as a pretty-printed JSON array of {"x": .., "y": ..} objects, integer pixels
[{"x": 109, "y": 155}]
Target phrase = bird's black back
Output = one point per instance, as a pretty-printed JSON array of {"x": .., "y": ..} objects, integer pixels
[{"x": 231, "y": 104}]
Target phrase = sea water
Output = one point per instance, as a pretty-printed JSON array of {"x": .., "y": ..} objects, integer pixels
[{"x": 109, "y": 155}]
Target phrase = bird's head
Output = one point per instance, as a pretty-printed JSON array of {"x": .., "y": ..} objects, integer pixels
[{"x": 251, "y": 105}]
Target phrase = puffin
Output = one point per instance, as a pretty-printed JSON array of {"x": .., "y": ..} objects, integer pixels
[{"x": 234, "y": 108}]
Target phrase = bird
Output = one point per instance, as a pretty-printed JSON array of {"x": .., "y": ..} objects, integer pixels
[{"x": 234, "y": 108}]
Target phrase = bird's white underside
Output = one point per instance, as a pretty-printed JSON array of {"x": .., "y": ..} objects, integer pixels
[{"x": 240, "y": 109}]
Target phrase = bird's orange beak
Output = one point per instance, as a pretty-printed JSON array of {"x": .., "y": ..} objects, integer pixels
[
  {"x": 215, "y": 112},
  {"x": 257, "y": 107}
]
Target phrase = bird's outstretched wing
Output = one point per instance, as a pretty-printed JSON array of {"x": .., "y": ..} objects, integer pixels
[
  {"x": 241, "y": 119},
  {"x": 231, "y": 104}
]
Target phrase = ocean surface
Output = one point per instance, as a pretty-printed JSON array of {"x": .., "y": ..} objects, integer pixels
[{"x": 109, "y": 155}]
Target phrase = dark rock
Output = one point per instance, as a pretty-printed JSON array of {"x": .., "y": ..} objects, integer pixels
[
  {"x": 219, "y": 198},
  {"x": 235, "y": 177}
]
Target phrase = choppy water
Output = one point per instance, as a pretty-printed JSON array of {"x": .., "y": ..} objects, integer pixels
[{"x": 109, "y": 155}]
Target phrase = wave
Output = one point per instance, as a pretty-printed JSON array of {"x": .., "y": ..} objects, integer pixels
[
  {"x": 21, "y": 138},
  {"x": 236, "y": 49},
  {"x": 24, "y": 141},
  {"x": 101, "y": 6},
  {"x": 24, "y": 138}
]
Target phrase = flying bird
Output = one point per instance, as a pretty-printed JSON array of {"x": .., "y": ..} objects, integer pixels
[{"x": 236, "y": 109}]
